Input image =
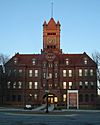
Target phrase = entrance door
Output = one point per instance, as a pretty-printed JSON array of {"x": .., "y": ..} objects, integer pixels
[{"x": 50, "y": 99}]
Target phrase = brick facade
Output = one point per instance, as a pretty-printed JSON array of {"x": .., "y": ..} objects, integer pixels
[{"x": 30, "y": 76}]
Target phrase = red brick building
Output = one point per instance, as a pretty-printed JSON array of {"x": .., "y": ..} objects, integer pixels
[{"x": 69, "y": 79}]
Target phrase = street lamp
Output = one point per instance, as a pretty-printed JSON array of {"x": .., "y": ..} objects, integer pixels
[{"x": 47, "y": 91}]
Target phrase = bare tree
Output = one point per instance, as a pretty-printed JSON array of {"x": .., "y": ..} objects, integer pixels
[
  {"x": 3, "y": 59},
  {"x": 96, "y": 58}
]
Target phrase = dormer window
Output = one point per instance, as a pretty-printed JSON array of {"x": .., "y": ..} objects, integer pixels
[
  {"x": 85, "y": 61},
  {"x": 67, "y": 61},
  {"x": 15, "y": 60},
  {"x": 33, "y": 61}
]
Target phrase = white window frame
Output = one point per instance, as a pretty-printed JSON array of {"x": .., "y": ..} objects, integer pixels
[
  {"x": 85, "y": 72},
  {"x": 30, "y": 85},
  {"x": 70, "y": 73},
  {"x": 64, "y": 85},
  {"x": 67, "y": 61},
  {"x": 8, "y": 84},
  {"x": 85, "y": 61},
  {"x": 64, "y": 73},
  {"x": 35, "y": 96},
  {"x": 91, "y": 72},
  {"x": 64, "y": 97},
  {"x": 33, "y": 61},
  {"x": 19, "y": 85},
  {"x": 50, "y": 75},
  {"x": 36, "y": 72},
  {"x": 14, "y": 85},
  {"x": 30, "y": 73},
  {"x": 35, "y": 85},
  {"x": 80, "y": 71},
  {"x": 70, "y": 85}
]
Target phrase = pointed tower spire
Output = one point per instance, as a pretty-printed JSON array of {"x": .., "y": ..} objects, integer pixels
[{"x": 52, "y": 9}]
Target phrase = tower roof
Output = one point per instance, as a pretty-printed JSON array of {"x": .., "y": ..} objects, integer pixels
[{"x": 52, "y": 24}]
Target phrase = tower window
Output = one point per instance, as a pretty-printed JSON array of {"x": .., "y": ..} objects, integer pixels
[{"x": 51, "y": 33}]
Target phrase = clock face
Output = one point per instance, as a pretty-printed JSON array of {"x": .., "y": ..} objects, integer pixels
[{"x": 51, "y": 40}]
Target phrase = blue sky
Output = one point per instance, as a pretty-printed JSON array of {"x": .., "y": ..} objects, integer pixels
[{"x": 21, "y": 25}]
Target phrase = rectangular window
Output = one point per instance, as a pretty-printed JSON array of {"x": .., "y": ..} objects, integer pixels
[
  {"x": 67, "y": 61},
  {"x": 85, "y": 72},
  {"x": 70, "y": 73},
  {"x": 86, "y": 84},
  {"x": 20, "y": 72},
  {"x": 36, "y": 73},
  {"x": 44, "y": 64},
  {"x": 80, "y": 84},
  {"x": 64, "y": 85},
  {"x": 80, "y": 72},
  {"x": 55, "y": 99},
  {"x": 56, "y": 75},
  {"x": 44, "y": 75},
  {"x": 50, "y": 65},
  {"x": 92, "y": 85},
  {"x": 70, "y": 85},
  {"x": 64, "y": 73},
  {"x": 35, "y": 85},
  {"x": 14, "y": 85},
  {"x": 35, "y": 96},
  {"x": 30, "y": 73},
  {"x": 91, "y": 72},
  {"x": 50, "y": 85},
  {"x": 50, "y": 75},
  {"x": 19, "y": 85},
  {"x": 30, "y": 85},
  {"x": 8, "y": 84},
  {"x": 64, "y": 97},
  {"x": 85, "y": 61},
  {"x": 33, "y": 61}
]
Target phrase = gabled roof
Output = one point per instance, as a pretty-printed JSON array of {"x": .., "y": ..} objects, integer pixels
[
  {"x": 51, "y": 24},
  {"x": 74, "y": 59}
]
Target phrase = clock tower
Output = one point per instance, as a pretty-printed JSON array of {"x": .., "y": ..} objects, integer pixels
[{"x": 51, "y": 37}]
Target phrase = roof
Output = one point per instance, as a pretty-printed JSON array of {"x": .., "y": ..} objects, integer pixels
[
  {"x": 74, "y": 59},
  {"x": 52, "y": 25}
]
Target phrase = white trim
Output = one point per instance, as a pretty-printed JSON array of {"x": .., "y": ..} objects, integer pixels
[{"x": 72, "y": 91}]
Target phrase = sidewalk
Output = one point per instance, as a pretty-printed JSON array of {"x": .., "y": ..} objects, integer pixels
[{"x": 54, "y": 112}]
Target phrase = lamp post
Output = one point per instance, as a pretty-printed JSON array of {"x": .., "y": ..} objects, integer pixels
[
  {"x": 47, "y": 91},
  {"x": 47, "y": 101}
]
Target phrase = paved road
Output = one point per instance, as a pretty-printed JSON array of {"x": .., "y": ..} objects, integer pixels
[{"x": 66, "y": 118}]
